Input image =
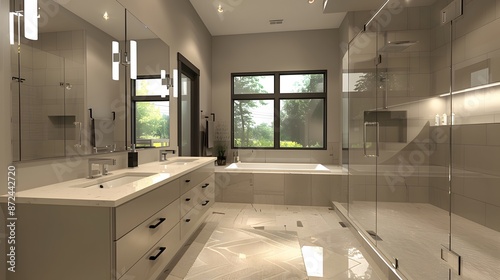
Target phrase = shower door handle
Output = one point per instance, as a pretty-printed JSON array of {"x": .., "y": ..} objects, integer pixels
[
  {"x": 79, "y": 125},
  {"x": 365, "y": 125}
]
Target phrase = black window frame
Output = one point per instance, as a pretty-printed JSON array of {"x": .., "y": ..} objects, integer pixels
[
  {"x": 277, "y": 96},
  {"x": 143, "y": 98}
]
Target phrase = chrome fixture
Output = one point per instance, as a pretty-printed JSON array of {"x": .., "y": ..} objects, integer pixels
[
  {"x": 103, "y": 163},
  {"x": 164, "y": 154}
]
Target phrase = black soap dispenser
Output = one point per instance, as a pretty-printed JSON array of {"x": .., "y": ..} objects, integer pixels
[{"x": 133, "y": 157}]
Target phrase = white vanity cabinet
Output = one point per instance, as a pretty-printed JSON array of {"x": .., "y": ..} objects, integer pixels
[{"x": 135, "y": 240}]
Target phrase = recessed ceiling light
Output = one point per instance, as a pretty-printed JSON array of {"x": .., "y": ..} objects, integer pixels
[
  {"x": 310, "y": 1},
  {"x": 105, "y": 16},
  {"x": 220, "y": 9}
]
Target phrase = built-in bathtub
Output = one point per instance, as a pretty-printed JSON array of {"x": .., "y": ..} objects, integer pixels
[
  {"x": 285, "y": 167},
  {"x": 308, "y": 184}
]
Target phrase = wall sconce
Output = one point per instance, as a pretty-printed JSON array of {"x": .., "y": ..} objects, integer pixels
[
  {"x": 175, "y": 86},
  {"x": 11, "y": 27},
  {"x": 30, "y": 14},
  {"x": 133, "y": 59},
  {"x": 31, "y": 19},
  {"x": 115, "y": 60},
  {"x": 130, "y": 62}
]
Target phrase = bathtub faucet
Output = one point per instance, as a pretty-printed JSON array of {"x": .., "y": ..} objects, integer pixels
[{"x": 236, "y": 157}]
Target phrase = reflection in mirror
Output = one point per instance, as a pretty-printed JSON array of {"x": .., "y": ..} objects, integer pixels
[
  {"x": 58, "y": 76},
  {"x": 150, "y": 114},
  {"x": 64, "y": 99}
]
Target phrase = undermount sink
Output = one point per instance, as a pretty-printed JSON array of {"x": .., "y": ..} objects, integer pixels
[
  {"x": 114, "y": 181},
  {"x": 179, "y": 161}
]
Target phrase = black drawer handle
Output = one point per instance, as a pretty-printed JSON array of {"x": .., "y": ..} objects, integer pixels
[
  {"x": 188, "y": 199},
  {"x": 187, "y": 181},
  {"x": 206, "y": 185},
  {"x": 188, "y": 220},
  {"x": 205, "y": 203},
  {"x": 153, "y": 258},
  {"x": 161, "y": 220}
]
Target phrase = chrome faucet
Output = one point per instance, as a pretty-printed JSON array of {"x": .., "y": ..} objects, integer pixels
[{"x": 103, "y": 163}]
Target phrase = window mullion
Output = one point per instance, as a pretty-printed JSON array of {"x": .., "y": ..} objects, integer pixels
[{"x": 276, "y": 111}]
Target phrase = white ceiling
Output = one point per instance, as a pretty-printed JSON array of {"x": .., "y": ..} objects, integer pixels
[{"x": 252, "y": 16}]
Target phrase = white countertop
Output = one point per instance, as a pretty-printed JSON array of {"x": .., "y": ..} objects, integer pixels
[{"x": 73, "y": 193}]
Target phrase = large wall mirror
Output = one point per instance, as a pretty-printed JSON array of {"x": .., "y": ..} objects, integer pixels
[{"x": 65, "y": 100}]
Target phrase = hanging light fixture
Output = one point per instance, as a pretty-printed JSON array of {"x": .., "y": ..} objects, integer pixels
[{"x": 31, "y": 19}]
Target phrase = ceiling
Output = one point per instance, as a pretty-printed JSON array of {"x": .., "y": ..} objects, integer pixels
[
  {"x": 252, "y": 16},
  {"x": 92, "y": 11}
]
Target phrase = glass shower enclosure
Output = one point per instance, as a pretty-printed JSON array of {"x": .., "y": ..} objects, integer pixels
[{"x": 423, "y": 99}]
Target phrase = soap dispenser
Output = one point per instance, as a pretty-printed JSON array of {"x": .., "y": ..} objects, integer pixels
[{"x": 133, "y": 157}]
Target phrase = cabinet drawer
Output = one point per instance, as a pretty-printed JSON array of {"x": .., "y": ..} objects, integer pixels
[
  {"x": 193, "y": 218},
  {"x": 189, "y": 222},
  {"x": 188, "y": 201},
  {"x": 136, "y": 243},
  {"x": 200, "y": 194},
  {"x": 154, "y": 261},
  {"x": 136, "y": 211},
  {"x": 207, "y": 189},
  {"x": 196, "y": 177}
]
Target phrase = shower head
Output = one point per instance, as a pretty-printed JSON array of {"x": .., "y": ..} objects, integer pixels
[{"x": 397, "y": 46}]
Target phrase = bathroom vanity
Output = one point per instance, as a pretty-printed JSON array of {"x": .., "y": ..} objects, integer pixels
[{"x": 94, "y": 229}]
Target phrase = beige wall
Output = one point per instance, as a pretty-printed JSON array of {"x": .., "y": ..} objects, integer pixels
[{"x": 280, "y": 51}]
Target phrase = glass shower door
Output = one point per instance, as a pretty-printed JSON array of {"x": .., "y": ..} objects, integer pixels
[
  {"x": 475, "y": 227},
  {"x": 363, "y": 150},
  {"x": 413, "y": 56}
]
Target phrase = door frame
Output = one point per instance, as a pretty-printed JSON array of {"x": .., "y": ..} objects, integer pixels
[{"x": 189, "y": 69}]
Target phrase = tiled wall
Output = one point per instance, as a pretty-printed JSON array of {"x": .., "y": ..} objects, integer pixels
[
  {"x": 55, "y": 58},
  {"x": 476, "y": 174},
  {"x": 280, "y": 189},
  {"x": 475, "y": 135},
  {"x": 329, "y": 156}
]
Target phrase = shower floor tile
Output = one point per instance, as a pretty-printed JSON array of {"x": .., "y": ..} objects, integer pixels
[
  {"x": 250, "y": 241},
  {"x": 416, "y": 232}
]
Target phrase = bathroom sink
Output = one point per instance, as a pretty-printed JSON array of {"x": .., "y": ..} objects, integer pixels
[
  {"x": 179, "y": 161},
  {"x": 114, "y": 181}
]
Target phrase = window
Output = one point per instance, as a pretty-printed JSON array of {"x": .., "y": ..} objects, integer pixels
[
  {"x": 279, "y": 110},
  {"x": 150, "y": 112}
]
